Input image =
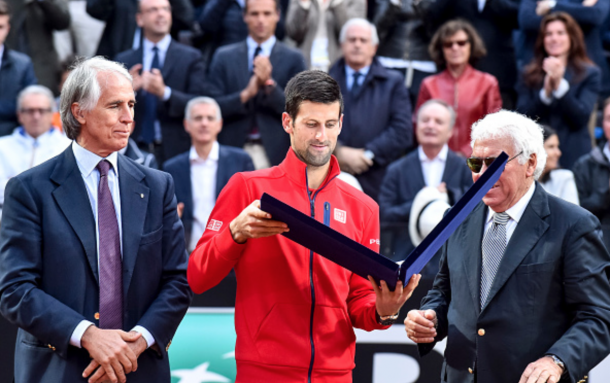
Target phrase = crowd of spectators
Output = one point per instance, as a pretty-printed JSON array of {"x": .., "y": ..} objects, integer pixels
[{"x": 209, "y": 77}]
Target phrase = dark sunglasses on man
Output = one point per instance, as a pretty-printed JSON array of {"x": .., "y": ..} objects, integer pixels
[{"x": 476, "y": 163}]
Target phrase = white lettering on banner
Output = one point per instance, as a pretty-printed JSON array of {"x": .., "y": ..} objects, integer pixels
[
  {"x": 214, "y": 225},
  {"x": 388, "y": 367},
  {"x": 374, "y": 241},
  {"x": 340, "y": 215}
]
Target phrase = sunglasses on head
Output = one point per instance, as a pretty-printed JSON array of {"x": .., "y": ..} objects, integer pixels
[
  {"x": 476, "y": 163},
  {"x": 460, "y": 43}
]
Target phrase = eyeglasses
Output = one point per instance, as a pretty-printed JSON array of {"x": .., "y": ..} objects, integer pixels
[
  {"x": 33, "y": 111},
  {"x": 475, "y": 163},
  {"x": 460, "y": 43},
  {"x": 166, "y": 9}
]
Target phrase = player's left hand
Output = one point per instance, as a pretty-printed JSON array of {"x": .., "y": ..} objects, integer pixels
[
  {"x": 541, "y": 371},
  {"x": 389, "y": 302}
]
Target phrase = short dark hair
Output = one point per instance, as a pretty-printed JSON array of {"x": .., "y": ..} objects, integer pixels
[
  {"x": 547, "y": 131},
  {"x": 4, "y": 9},
  {"x": 450, "y": 28},
  {"x": 314, "y": 86},
  {"x": 277, "y": 6}
]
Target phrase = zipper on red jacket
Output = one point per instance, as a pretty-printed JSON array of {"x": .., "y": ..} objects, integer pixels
[{"x": 312, "y": 208}]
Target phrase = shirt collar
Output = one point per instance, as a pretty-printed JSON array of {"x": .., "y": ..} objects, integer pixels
[
  {"x": 1, "y": 53},
  {"x": 22, "y": 134},
  {"x": 607, "y": 151},
  {"x": 163, "y": 44},
  {"x": 213, "y": 156},
  {"x": 87, "y": 161},
  {"x": 349, "y": 72},
  {"x": 442, "y": 155},
  {"x": 517, "y": 210},
  {"x": 266, "y": 46}
]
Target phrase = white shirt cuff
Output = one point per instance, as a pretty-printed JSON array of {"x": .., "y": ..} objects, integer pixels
[
  {"x": 562, "y": 89},
  {"x": 78, "y": 333},
  {"x": 150, "y": 340},
  {"x": 545, "y": 100},
  {"x": 396, "y": 2},
  {"x": 304, "y": 4},
  {"x": 167, "y": 93}
]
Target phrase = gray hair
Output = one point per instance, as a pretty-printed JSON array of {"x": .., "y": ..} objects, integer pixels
[
  {"x": 83, "y": 87},
  {"x": 35, "y": 89},
  {"x": 442, "y": 103},
  {"x": 525, "y": 134},
  {"x": 199, "y": 101},
  {"x": 360, "y": 22}
]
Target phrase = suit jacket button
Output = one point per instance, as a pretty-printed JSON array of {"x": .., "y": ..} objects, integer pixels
[
  {"x": 97, "y": 316},
  {"x": 470, "y": 370},
  {"x": 481, "y": 332}
]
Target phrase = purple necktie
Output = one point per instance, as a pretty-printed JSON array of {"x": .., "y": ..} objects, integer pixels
[{"x": 111, "y": 281}]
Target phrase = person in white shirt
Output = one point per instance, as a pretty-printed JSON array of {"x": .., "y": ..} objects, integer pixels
[
  {"x": 559, "y": 182},
  {"x": 36, "y": 140}
]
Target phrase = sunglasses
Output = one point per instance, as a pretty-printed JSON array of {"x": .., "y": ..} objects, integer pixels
[
  {"x": 460, "y": 43},
  {"x": 475, "y": 163}
]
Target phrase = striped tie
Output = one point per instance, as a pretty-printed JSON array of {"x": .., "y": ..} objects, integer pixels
[{"x": 494, "y": 244}]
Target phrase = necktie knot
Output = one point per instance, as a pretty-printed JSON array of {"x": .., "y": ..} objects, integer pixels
[
  {"x": 501, "y": 218},
  {"x": 155, "y": 49},
  {"x": 357, "y": 77},
  {"x": 103, "y": 167}
]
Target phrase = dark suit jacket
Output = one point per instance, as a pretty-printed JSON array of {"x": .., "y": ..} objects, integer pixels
[
  {"x": 569, "y": 115},
  {"x": 378, "y": 118},
  {"x": 183, "y": 72},
  {"x": 229, "y": 75},
  {"x": 49, "y": 266},
  {"x": 230, "y": 161},
  {"x": 16, "y": 73},
  {"x": 550, "y": 295},
  {"x": 403, "y": 180}
]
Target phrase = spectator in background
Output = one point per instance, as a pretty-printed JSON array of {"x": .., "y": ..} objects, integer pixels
[
  {"x": 121, "y": 32},
  {"x": 315, "y": 26},
  {"x": 35, "y": 141},
  {"x": 139, "y": 156},
  {"x": 558, "y": 182},
  {"x": 561, "y": 85},
  {"x": 590, "y": 16},
  {"x": 433, "y": 164},
  {"x": 252, "y": 98},
  {"x": 494, "y": 20},
  {"x": 455, "y": 48},
  {"x": 31, "y": 33},
  {"x": 404, "y": 38},
  {"x": 592, "y": 174},
  {"x": 16, "y": 73},
  {"x": 83, "y": 35},
  {"x": 377, "y": 118},
  {"x": 202, "y": 172},
  {"x": 166, "y": 75}
]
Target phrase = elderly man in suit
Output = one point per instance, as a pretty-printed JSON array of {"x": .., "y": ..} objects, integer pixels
[
  {"x": 247, "y": 79},
  {"x": 92, "y": 257},
  {"x": 522, "y": 291},
  {"x": 202, "y": 172},
  {"x": 433, "y": 164},
  {"x": 166, "y": 76}
]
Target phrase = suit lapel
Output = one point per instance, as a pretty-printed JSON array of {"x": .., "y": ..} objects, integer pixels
[
  {"x": 170, "y": 60},
  {"x": 72, "y": 198},
  {"x": 243, "y": 73},
  {"x": 450, "y": 168},
  {"x": 473, "y": 252},
  {"x": 527, "y": 233},
  {"x": 134, "y": 203},
  {"x": 221, "y": 174}
]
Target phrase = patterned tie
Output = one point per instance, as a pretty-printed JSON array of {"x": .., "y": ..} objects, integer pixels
[
  {"x": 150, "y": 105},
  {"x": 494, "y": 244},
  {"x": 356, "y": 85},
  {"x": 111, "y": 281}
]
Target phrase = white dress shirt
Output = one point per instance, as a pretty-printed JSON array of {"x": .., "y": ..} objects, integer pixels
[
  {"x": 87, "y": 162},
  {"x": 266, "y": 48},
  {"x": 1, "y": 54},
  {"x": 562, "y": 89},
  {"x": 481, "y": 5},
  {"x": 515, "y": 213},
  {"x": 203, "y": 190},
  {"x": 433, "y": 169},
  {"x": 349, "y": 76},
  {"x": 606, "y": 151},
  {"x": 147, "y": 59}
]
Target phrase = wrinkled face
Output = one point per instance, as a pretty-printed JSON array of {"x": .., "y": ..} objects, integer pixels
[
  {"x": 556, "y": 39},
  {"x": 35, "y": 114},
  {"x": 514, "y": 181},
  {"x": 4, "y": 27},
  {"x": 106, "y": 128},
  {"x": 314, "y": 131},
  {"x": 433, "y": 126},
  {"x": 607, "y": 122},
  {"x": 155, "y": 17},
  {"x": 358, "y": 48},
  {"x": 261, "y": 17},
  {"x": 203, "y": 124},
  {"x": 551, "y": 146},
  {"x": 456, "y": 49}
]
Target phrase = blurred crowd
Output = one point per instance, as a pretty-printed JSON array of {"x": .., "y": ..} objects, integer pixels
[{"x": 415, "y": 75}]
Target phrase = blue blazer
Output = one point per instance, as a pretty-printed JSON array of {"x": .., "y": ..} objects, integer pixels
[
  {"x": 229, "y": 75},
  {"x": 49, "y": 267},
  {"x": 403, "y": 180},
  {"x": 550, "y": 295},
  {"x": 230, "y": 161},
  {"x": 183, "y": 72},
  {"x": 16, "y": 73}
]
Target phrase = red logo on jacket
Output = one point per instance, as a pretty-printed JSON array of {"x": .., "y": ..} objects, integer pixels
[{"x": 340, "y": 215}]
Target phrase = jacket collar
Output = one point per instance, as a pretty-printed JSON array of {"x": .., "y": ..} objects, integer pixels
[
  {"x": 376, "y": 69},
  {"x": 296, "y": 169},
  {"x": 598, "y": 156},
  {"x": 468, "y": 71}
]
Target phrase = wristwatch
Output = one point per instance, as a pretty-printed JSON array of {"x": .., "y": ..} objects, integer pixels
[
  {"x": 387, "y": 319},
  {"x": 558, "y": 362}
]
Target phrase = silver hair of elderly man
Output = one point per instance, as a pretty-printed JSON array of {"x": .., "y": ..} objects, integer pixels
[
  {"x": 199, "y": 101},
  {"x": 35, "y": 89},
  {"x": 436, "y": 101},
  {"x": 360, "y": 22},
  {"x": 525, "y": 134},
  {"x": 83, "y": 87}
]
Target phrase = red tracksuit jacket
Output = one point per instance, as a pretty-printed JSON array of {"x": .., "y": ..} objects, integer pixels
[{"x": 295, "y": 310}]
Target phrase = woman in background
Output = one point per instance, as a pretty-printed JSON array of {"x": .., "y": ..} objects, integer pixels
[{"x": 559, "y": 182}]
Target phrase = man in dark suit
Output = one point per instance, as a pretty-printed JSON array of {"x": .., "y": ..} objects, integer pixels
[
  {"x": 16, "y": 73},
  {"x": 91, "y": 247},
  {"x": 432, "y": 164},
  {"x": 202, "y": 172},
  {"x": 522, "y": 291},
  {"x": 247, "y": 79},
  {"x": 166, "y": 75},
  {"x": 377, "y": 116}
]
